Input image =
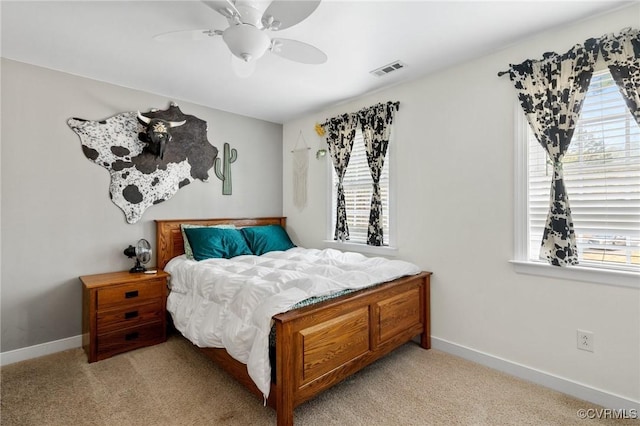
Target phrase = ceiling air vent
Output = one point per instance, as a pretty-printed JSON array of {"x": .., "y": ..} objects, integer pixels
[{"x": 384, "y": 70}]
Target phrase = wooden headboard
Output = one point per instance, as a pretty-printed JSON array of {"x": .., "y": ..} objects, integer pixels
[{"x": 169, "y": 243}]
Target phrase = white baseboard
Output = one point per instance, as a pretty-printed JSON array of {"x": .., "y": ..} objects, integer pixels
[
  {"x": 569, "y": 387},
  {"x": 36, "y": 351}
]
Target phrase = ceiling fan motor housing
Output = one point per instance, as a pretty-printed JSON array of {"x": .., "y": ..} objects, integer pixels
[{"x": 246, "y": 41}]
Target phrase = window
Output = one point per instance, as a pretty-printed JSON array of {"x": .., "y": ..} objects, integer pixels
[
  {"x": 602, "y": 177},
  {"x": 357, "y": 185}
]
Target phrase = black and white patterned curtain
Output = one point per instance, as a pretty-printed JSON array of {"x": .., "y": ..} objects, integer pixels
[
  {"x": 376, "y": 124},
  {"x": 622, "y": 55},
  {"x": 551, "y": 92},
  {"x": 340, "y": 133}
]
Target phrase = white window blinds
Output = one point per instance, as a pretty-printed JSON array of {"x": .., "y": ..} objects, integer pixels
[
  {"x": 602, "y": 177},
  {"x": 357, "y": 185}
]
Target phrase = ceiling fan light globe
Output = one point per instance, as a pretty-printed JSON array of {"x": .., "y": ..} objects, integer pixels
[{"x": 245, "y": 40}]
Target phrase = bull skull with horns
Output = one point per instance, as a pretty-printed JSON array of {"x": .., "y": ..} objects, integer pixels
[{"x": 157, "y": 134}]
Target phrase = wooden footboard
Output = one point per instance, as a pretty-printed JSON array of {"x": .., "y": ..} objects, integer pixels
[{"x": 320, "y": 345}]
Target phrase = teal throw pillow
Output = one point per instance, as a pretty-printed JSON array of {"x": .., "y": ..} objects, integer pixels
[
  {"x": 263, "y": 239},
  {"x": 208, "y": 243},
  {"x": 187, "y": 247}
]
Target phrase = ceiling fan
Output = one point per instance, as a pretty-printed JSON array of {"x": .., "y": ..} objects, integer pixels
[{"x": 250, "y": 24}]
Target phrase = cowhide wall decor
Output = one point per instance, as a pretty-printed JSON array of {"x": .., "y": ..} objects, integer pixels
[{"x": 142, "y": 174}]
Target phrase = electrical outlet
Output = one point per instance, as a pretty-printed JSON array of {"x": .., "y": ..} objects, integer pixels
[{"x": 585, "y": 340}]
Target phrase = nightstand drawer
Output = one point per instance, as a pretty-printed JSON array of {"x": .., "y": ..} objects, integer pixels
[
  {"x": 130, "y": 338},
  {"x": 110, "y": 320},
  {"x": 133, "y": 293}
]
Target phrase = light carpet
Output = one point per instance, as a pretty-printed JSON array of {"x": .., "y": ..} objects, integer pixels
[{"x": 174, "y": 384}]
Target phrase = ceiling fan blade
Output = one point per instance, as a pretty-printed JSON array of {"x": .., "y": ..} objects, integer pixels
[
  {"x": 226, "y": 8},
  {"x": 288, "y": 12},
  {"x": 298, "y": 51},
  {"x": 187, "y": 35}
]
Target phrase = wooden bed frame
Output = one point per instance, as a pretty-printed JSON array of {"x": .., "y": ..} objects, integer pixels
[{"x": 320, "y": 345}]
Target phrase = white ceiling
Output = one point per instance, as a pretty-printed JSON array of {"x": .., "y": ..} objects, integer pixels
[{"x": 112, "y": 41}]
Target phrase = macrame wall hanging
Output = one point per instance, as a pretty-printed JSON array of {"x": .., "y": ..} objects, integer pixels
[
  {"x": 300, "y": 172},
  {"x": 149, "y": 156}
]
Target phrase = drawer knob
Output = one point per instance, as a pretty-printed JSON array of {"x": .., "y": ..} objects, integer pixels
[
  {"x": 131, "y": 336},
  {"x": 131, "y": 294},
  {"x": 129, "y": 315}
]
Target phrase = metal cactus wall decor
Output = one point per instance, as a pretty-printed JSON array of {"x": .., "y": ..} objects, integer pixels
[{"x": 223, "y": 167}]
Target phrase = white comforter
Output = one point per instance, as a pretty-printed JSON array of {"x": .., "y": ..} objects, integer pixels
[{"x": 228, "y": 303}]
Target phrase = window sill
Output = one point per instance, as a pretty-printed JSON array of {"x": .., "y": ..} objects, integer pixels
[
  {"x": 362, "y": 248},
  {"x": 579, "y": 273}
]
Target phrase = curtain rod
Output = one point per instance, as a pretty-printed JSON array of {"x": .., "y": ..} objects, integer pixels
[
  {"x": 588, "y": 41},
  {"x": 395, "y": 104}
]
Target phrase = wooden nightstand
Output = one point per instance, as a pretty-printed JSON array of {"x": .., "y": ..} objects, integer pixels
[{"x": 122, "y": 311}]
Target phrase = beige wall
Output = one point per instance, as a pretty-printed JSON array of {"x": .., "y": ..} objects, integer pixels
[
  {"x": 57, "y": 219},
  {"x": 454, "y": 173}
]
